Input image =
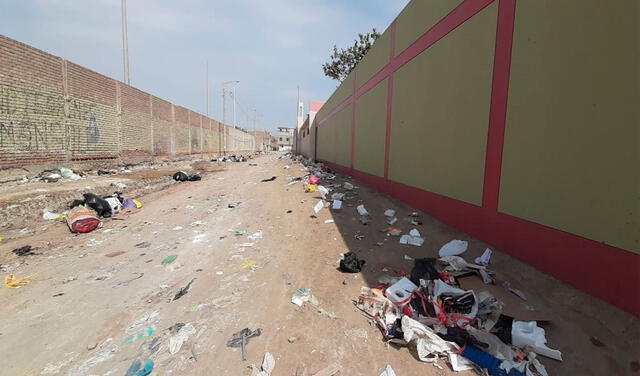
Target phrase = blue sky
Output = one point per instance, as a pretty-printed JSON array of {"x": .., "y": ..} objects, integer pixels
[{"x": 270, "y": 46}]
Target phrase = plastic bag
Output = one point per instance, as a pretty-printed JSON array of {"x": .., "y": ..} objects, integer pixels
[
  {"x": 99, "y": 204},
  {"x": 351, "y": 264}
]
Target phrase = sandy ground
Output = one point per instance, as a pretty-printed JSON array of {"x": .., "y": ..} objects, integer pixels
[{"x": 86, "y": 313}]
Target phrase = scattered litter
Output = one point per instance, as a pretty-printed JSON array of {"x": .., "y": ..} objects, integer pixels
[
  {"x": 301, "y": 296},
  {"x": 220, "y": 273},
  {"x": 136, "y": 368},
  {"x": 143, "y": 245},
  {"x": 393, "y": 231},
  {"x": 177, "y": 228},
  {"x": 255, "y": 236},
  {"x": 529, "y": 334},
  {"x": 323, "y": 191},
  {"x": 49, "y": 216},
  {"x": 27, "y": 250},
  {"x": 412, "y": 240},
  {"x": 10, "y": 281},
  {"x": 116, "y": 253},
  {"x": 362, "y": 211},
  {"x": 313, "y": 180},
  {"x": 389, "y": 213},
  {"x": 270, "y": 179},
  {"x": 330, "y": 370},
  {"x": 176, "y": 341},
  {"x": 409, "y": 258},
  {"x": 485, "y": 258},
  {"x": 329, "y": 221},
  {"x": 337, "y": 196},
  {"x": 388, "y": 371},
  {"x": 351, "y": 264},
  {"x": 317, "y": 207},
  {"x": 169, "y": 259},
  {"x": 241, "y": 339},
  {"x": 337, "y": 205},
  {"x": 240, "y": 232},
  {"x": 268, "y": 363},
  {"x": 248, "y": 264},
  {"x": 453, "y": 248},
  {"x": 348, "y": 186},
  {"x": 183, "y": 291}
]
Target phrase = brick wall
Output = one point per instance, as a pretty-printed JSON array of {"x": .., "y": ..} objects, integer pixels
[{"x": 58, "y": 113}]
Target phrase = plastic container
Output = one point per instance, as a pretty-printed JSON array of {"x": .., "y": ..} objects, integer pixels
[{"x": 400, "y": 292}]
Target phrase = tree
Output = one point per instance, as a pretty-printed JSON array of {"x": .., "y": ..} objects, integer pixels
[{"x": 343, "y": 61}]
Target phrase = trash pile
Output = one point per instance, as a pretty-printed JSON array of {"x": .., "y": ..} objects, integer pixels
[
  {"x": 52, "y": 176},
  {"x": 431, "y": 312},
  {"x": 232, "y": 158},
  {"x": 85, "y": 215}
]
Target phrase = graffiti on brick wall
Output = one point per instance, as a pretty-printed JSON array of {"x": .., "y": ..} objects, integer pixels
[{"x": 31, "y": 120}]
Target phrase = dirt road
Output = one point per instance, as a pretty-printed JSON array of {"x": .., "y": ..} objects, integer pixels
[{"x": 91, "y": 310}]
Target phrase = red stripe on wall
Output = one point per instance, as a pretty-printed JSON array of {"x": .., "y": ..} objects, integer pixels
[
  {"x": 353, "y": 119},
  {"x": 387, "y": 142},
  {"x": 447, "y": 24},
  {"x": 498, "y": 109}
]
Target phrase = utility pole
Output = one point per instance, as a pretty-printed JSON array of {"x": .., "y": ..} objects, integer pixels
[
  {"x": 234, "y": 105},
  {"x": 254, "y": 130},
  {"x": 207, "y": 87},
  {"x": 125, "y": 42},
  {"x": 224, "y": 121}
]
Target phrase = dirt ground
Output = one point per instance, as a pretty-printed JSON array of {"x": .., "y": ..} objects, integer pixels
[{"x": 90, "y": 311}]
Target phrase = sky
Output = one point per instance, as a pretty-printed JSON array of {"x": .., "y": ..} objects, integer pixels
[{"x": 270, "y": 46}]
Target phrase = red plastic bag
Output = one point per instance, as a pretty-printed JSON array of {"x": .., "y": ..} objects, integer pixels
[{"x": 313, "y": 180}]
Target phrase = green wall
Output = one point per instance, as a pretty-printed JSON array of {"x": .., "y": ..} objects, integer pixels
[
  {"x": 371, "y": 118},
  {"x": 440, "y": 112},
  {"x": 571, "y": 158}
]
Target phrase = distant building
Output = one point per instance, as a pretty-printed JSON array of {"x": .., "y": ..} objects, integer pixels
[
  {"x": 264, "y": 141},
  {"x": 306, "y": 132},
  {"x": 285, "y": 138}
]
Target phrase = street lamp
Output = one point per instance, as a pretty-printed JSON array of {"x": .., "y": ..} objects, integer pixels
[
  {"x": 234, "y": 98},
  {"x": 224, "y": 112}
]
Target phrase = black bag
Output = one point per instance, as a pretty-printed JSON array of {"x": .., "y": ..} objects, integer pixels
[
  {"x": 180, "y": 176},
  {"x": 99, "y": 204},
  {"x": 194, "y": 177},
  {"x": 424, "y": 268},
  {"x": 351, "y": 264}
]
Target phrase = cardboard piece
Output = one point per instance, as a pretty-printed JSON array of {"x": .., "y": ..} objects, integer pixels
[{"x": 530, "y": 310}]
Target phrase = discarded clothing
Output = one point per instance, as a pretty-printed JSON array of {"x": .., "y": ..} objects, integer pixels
[
  {"x": 351, "y": 264},
  {"x": 485, "y": 360}
]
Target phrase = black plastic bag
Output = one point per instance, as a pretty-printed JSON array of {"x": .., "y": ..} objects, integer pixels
[
  {"x": 99, "y": 204},
  {"x": 351, "y": 264},
  {"x": 424, "y": 268},
  {"x": 194, "y": 177},
  {"x": 180, "y": 176}
]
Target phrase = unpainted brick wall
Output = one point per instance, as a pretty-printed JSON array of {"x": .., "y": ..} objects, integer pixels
[{"x": 56, "y": 112}]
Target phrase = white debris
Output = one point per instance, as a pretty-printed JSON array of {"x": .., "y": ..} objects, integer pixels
[
  {"x": 348, "y": 186},
  {"x": 362, "y": 210},
  {"x": 485, "y": 258},
  {"x": 176, "y": 341},
  {"x": 389, "y": 213},
  {"x": 317, "y": 207},
  {"x": 337, "y": 205},
  {"x": 453, "y": 248}
]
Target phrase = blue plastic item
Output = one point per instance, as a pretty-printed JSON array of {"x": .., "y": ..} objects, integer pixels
[
  {"x": 488, "y": 361},
  {"x": 137, "y": 370}
]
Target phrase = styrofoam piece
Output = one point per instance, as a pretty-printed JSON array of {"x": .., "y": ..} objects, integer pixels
[
  {"x": 400, "y": 292},
  {"x": 317, "y": 207},
  {"x": 389, "y": 213},
  {"x": 453, "y": 248},
  {"x": 414, "y": 232},
  {"x": 527, "y": 333},
  {"x": 337, "y": 205},
  {"x": 362, "y": 210}
]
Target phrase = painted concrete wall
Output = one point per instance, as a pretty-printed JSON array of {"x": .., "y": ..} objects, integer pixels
[
  {"x": 55, "y": 112},
  {"x": 516, "y": 121},
  {"x": 571, "y": 152}
]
